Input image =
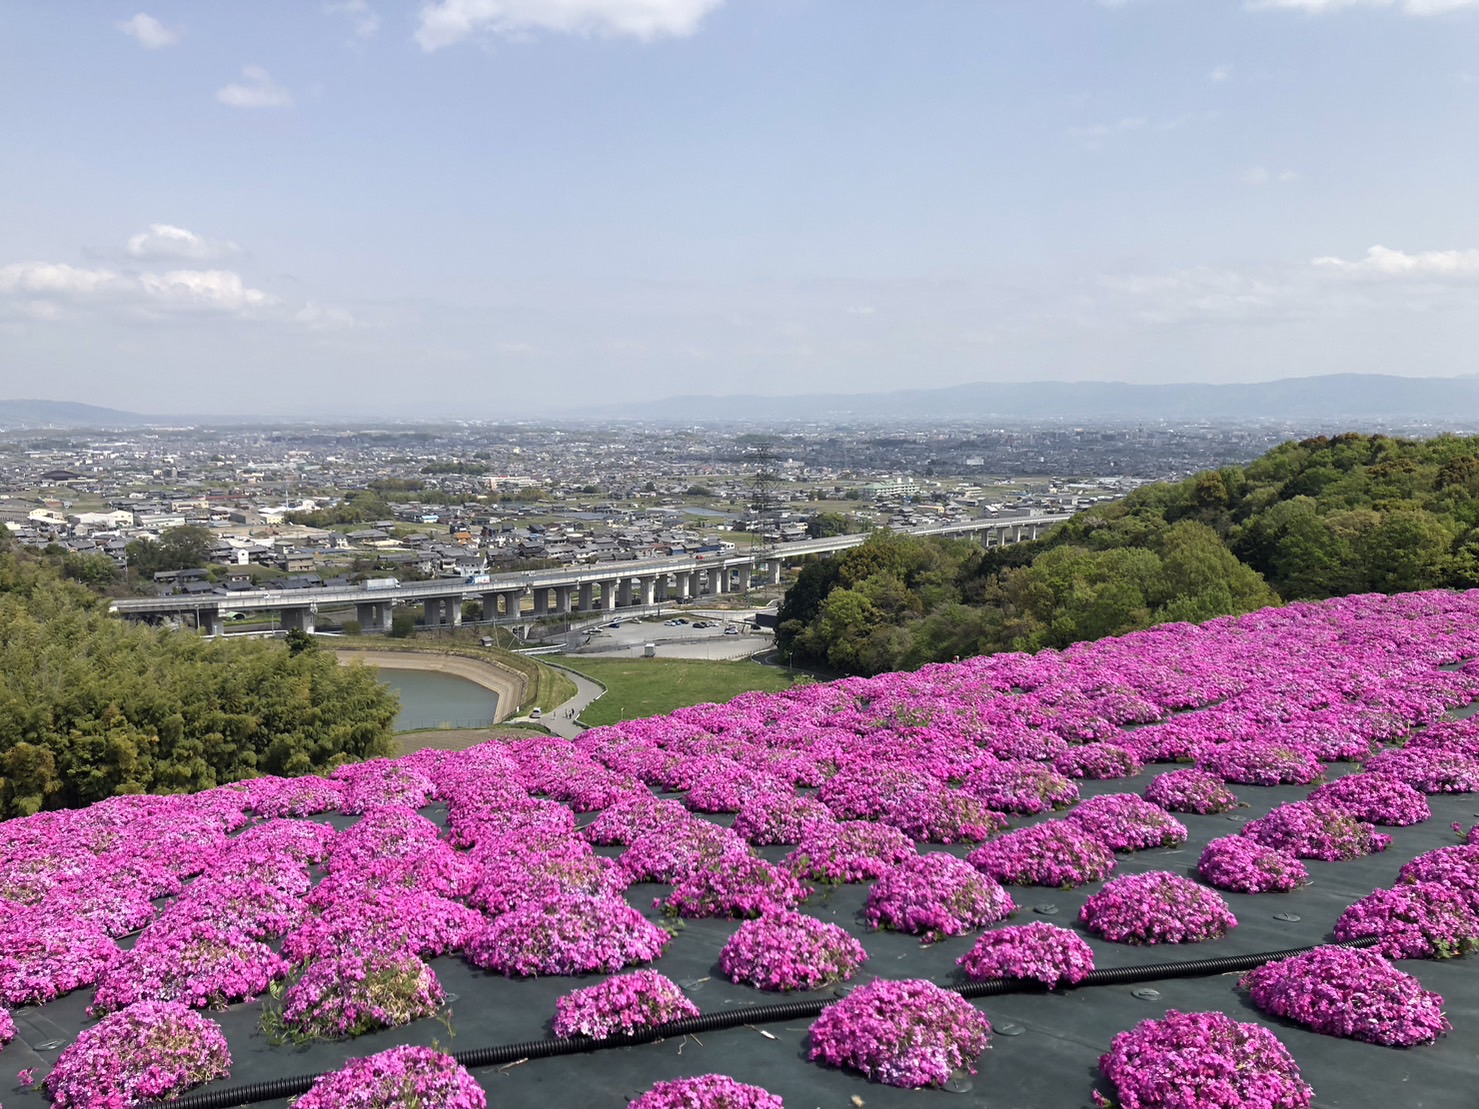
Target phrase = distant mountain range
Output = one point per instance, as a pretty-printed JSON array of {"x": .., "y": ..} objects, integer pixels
[{"x": 1328, "y": 397}]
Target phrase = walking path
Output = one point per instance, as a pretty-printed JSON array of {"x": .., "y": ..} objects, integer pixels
[{"x": 564, "y": 719}]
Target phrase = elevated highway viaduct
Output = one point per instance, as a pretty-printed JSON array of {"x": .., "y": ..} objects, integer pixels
[{"x": 607, "y": 588}]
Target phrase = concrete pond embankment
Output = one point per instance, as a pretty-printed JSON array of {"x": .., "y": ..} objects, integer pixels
[{"x": 510, "y": 686}]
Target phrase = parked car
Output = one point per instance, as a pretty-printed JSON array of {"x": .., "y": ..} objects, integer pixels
[{"x": 731, "y": 630}]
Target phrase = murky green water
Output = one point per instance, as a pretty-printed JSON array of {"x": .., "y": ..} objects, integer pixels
[{"x": 430, "y": 700}]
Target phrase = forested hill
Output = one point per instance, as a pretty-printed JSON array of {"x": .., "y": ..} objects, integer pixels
[
  {"x": 91, "y": 706},
  {"x": 1320, "y": 518}
]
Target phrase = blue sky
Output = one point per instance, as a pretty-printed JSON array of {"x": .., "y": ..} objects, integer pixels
[{"x": 508, "y": 207}]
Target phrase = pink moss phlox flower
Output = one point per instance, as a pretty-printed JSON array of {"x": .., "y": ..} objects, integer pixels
[
  {"x": 1126, "y": 822},
  {"x": 1342, "y": 991},
  {"x": 1430, "y": 770},
  {"x": 623, "y": 1003},
  {"x": 42, "y": 958},
  {"x": 1317, "y": 830},
  {"x": 1048, "y": 953},
  {"x": 706, "y": 1091},
  {"x": 1243, "y": 865},
  {"x": 736, "y": 886},
  {"x": 510, "y": 878},
  {"x": 672, "y": 852},
  {"x": 908, "y": 1033},
  {"x": 1156, "y": 907},
  {"x": 254, "y": 907},
  {"x": 377, "y": 783},
  {"x": 1021, "y": 787},
  {"x": 307, "y": 796},
  {"x": 848, "y": 851},
  {"x": 193, "y": 962},
  {"x": 1190, "y": 790},
  {"x": 401, "y": 1078},
  {"x": 864, "y": 792},
  {"x": 7, "y": 1028},
  {"x": 571, "y": 935},
  {"x": 631, "y": 817},
  {"x": 348, "y": 994},
  {"x": 1260, "y": 762},
  {"x": 150, "y": 1051},
  {"x": 1057, "y": 853},
  {"x": 786, "y": 950},
  {"x": 1377, "y": 799},
  {"x": 770, "y": 818},
  {"x": 935, "y": 896},
  {"x": 728, "y": 792},
  {"x": 385, "y": 920},
  {"x": 1206, "y": 1060},
  {"x": 1098, "y": 760},
  {"x": 1421, "y": 920},
  {"x": 943, "y": 816},
  {"x": 1456, "y": 867}
]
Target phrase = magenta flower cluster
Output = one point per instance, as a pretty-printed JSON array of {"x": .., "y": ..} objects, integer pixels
[
  {"x": 1241, "y": 864},
  {"x": 850, "y": 851},
  {"x": 1059, "y": 853},
  {"x": 1342, "y": 991},
  {"x": 1191, "y": 790},
  {"x": 1317, "y": 830},
  {"x": 349, "y": 994},
  {"x": 1156, "y": 907},
  {"x": 786, "y": 951},
  {"x": 1045, "y": 952},
  {"x": 1097, "y": 760},
  {"x": 622, "y": 1004},
  {"x": 149, "y": 1051},
  {"x": 908, "y": 1033},
  {"x": 1377, "y": 799},
  {"x": 935, "y": 896},
  {"x": 1125, "y": 822},
  {"x": 1020, "y": 786},
  {"x": 572, "y": 935},
  {"x": 1420, "y": 920},
  {"x": 706, "y": 1091},
  {"x": 734, "y": 886},
  {"x": 401, "y": 1078},
  {"x": 1202, "y": 1060},
  {"x": 1259, "y": 762}
]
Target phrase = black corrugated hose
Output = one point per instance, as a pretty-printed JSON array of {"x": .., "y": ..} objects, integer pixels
[{"x": 252, "y": 1093}]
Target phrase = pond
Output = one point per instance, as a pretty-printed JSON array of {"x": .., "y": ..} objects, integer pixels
[{"x": 431, "y": 700}]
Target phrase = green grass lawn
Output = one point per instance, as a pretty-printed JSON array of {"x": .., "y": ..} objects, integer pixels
[{"x": 637, "y": 687}]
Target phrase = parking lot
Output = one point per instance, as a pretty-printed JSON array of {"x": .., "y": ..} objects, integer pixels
[{"x": 679, "y": 640}]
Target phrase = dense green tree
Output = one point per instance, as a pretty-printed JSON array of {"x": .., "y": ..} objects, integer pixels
[{"x": 182, "y": 548}]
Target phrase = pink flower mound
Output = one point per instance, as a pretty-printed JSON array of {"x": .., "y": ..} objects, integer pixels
[
  {"x": 1425, "y": 920},
  {"x": 41, "y": 961},
  {"x": 1041, "y": 951},
  {"x": 622, "y": 1004},
  {"x": 574, "y": 935},
  {"x": 1377, "y": 798},
  {"x": 1243, "y": 865},
  {"x": 401, "y": 1078},
  {"x": 381, "y": 782},
  {"x": 909, "y": 1033},
  {"x": 1317, "y": 830},
  {"x": 1428, "y": 769},
  {"x": 667, "y": 854},
  {"x": 1191, "y": 790},
  {"x": 1203, "y": 1061},
  {"x": 778, "y": 818},
  {"x": 7, "y": 1027},
  {"x": 1341, "y": 991},
  {"x": 863, "y": 793},
  {"x": 350, "y": 994},
  {"x": 790, "y": 951},
  {"x": 852, "y": 851},
  {"x": 1024, "y": 787},
  {"x": 278, "y": 797},
  {"x": 196, "y": 963},
  {"x": 514, "y": 876},
  {"x": 1058, "y": 853},
  {"x": 1097, "y": 760},
  {"x": 734, "y": 886},
  {"x": 630, "y": 818},
  {"x": 147, "y": 1052},
  {"x": 943, "y": 816},
  {"x": 1124, "y": 822},
  {"x": 386, "y": 921},
  {"x": 1158, "y": 907},
  {"x": 707, "y": 1091},
  {"x": 1258, "y": 762},
  {"x": 936, "y": 896},
  {"x": 1456, "y": 867}
]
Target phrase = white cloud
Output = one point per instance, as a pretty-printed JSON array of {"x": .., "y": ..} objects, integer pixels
[
  {"x": 149, "y": 32},
  {"x": 316, "y": 317},
  {"x": 165, "y": 241},
  {"x": 44, "y": 290},
  {"x": 1096, "y": 135},
  {"x": 55, "y": 279},
  {"x": 1220, "y": 74},
  {"x": 445, "y": 22},
  {"x": 366, "y": 21},
  {"x": 217, "y": 290},
  {"x": 257, "y": 90},
  {"x": 1382, "y": 262},
  {"x": 1407, "y": 7},
  {"x": 1258, "y": 176}
]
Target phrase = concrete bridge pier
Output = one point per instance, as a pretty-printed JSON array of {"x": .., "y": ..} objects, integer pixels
[
  {"x": 374, "y": 616},
  {"x": 541, "y": 600},
  {"x": 608, "y": 595},
  {"x": 675, "y": 591},
  {"x": 562, "y": 600},
  {"x": 512, "y": 603},
  {"x": 624, "y": 592},
  {"x": 587, "y": 596},
  {"x": 648, "y": 586},
  {"x": 298, "y": 619},
  {"x": 209, "y": 621},
  {"x": 773, "y": 572}
]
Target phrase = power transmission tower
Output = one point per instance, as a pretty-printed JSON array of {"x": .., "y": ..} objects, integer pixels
[{"x": 764, "y": 504}]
